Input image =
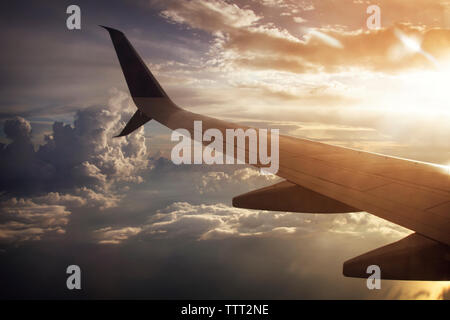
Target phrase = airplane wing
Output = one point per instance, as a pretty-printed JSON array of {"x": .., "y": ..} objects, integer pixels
[{"x": 322, "y": 178}]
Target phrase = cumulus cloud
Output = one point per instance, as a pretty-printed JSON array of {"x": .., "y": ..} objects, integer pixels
[
  {"x": 220, "y": 181},
  {"x": 17, "y": 129},
  {"x": 82, "y": 155},
  {"x": 79, "y": 165}
]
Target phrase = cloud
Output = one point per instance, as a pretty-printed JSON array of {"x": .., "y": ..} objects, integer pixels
[
  {"x": 292, "y": 6},
  {"x": 246, "y": 42},
  {"x": 17, "y": 129},
  {"x": 102, "y": 200},
  {"x": 79, "y": 165},
  {"x": 23, "y": 220},
  {"x": 81, "y": 156},
  {"x": 220, "y": 181},
  {"x": 55, "y": 198},
  {"x": 419, "y": 290},
  {"x": 182, "y": 219},
  {"x": 368, "y": 50},
  {"x": 218, "y": 221},
  {"x": 213, "y": 16},
  {"x": 352, "y": 13},
  {"x": 109, "y": 235},
  {"x": 272, "y": 3},
  {"x": 299, "y": 20}
]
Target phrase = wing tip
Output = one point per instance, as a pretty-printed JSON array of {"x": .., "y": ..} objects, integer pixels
[{"x": 111, "y": 30}]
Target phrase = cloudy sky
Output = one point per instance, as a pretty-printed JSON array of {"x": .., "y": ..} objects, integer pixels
[{"x": 141, "y": 227}]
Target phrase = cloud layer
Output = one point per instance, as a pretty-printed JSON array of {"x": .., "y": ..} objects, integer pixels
[
  {"x": 219, "y": 221},
  {"x": 242, "y": 41},
  {"x": 23, "y": 220}
]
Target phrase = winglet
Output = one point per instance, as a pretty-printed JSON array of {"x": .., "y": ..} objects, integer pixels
[
  {"x": 140, "y": 80},
  {"x": 109, "y": 29}
]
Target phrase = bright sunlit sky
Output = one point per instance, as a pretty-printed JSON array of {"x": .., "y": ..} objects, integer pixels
[{"x": 311, "y": 68}]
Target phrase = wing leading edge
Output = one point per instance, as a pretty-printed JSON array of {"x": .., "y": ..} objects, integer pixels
[{"x": 413, "y": 194}]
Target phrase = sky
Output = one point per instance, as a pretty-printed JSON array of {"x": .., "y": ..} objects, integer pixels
[{"x": 141, "y": 227}]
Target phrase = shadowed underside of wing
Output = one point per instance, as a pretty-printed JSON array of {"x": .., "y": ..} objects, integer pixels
[
  {"x": 287, "y": 196},
  {"x": 412, "y": 194}
]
